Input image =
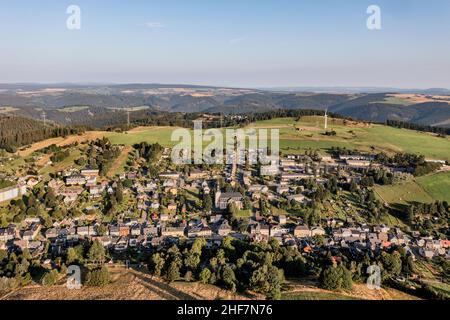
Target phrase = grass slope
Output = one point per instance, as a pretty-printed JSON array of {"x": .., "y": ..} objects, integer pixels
[{"x": 437, "y": 185}]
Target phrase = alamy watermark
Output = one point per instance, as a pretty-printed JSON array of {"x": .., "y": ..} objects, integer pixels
[
  {"x": 229, "y": 146},
  {"x": 73, "y": 278},
  {"x": 374, "y": 20},
  {"x": 73, "y": 22},
  {"x": 374, "y": 279}
]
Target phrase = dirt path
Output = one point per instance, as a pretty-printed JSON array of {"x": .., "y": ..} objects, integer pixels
[
  {"x": 61, "y": 142},
  {"x": 118, "y": 162}
]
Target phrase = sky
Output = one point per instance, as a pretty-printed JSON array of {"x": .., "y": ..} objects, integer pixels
[{"x": 241, "y": 43}]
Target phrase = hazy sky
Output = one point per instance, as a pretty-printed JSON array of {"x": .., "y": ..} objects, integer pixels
[{"x": 228, "y": 42}]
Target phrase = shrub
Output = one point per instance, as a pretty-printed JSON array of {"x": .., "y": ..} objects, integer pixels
[{"x": 99, "y": 277}]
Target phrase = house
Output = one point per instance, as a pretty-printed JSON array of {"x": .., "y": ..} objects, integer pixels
[
  {"x": 164, "y": 217},
  {"x": 258, "y": 188},
  {"x": 136, "y": 230},
  {"x": 302, "y": 232},
  {"x": 382, "y": 236},
  {"x": 121, "y": 244},
  {"x": 427, "y": 254},
  {"x": 297, "y": 198},
  {"x": 200, "y": 231},
  {"x": 155, "y": 205},
  {"x": 281, "y": 189},
  {"x": 70, "y": 198},
  {"x": 106, "y": 241},
  {"x": 197, "y": 174},
  {"x": 172, "y": 232},
  {"x": 259, "y": 228},
  {"x": 282, "y": 219},
  {"x": 75, "y": 180},
  {"x": 288, "y": 163},
  {"x": 7, "y": 234},
  {"x": 216, "y": 218},
  {"x": 169, "y": 175},
  {"x": 172, "y": 206},
  {"x": 277, "y": 231},
  {"x": 381, "y": 228},
  {"x": 270, "y": 170},
  {"x": 71, "y": 191},
  {"x": 317, "y": 231},
  {"x": 124, "y": 231},
  {"x": 51, "y": 233},
  {"x": 96, "y": 190},
  {"x": 358, "y": 163},
  {"x": 31, "y": 233},
  {"x": 224, "y": 228},
  {"x": 295, "y": 176},
  {"x": 83, "y": 231},
  {"x": 150, "y": 231},
  {"x": 114, "y": 231},
  {"x": 224, "y": 199},
  {"x": 90, "y": 173}
]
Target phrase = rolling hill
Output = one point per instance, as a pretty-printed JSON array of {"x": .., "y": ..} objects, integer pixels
[{"x": 99, "y": 105}]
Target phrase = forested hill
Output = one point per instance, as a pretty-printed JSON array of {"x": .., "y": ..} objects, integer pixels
[{"x": 18, "y": 131}]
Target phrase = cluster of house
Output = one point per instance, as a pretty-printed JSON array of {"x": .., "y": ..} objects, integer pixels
[
  {"x": 157, "y": 227},
  {"x": 131, "y": 233}
]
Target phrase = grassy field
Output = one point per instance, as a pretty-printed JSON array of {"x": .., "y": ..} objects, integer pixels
[
  {"x": 298, "y": 136},
  {"x": 425, "y": 189},
  {"x": 162, "y": 135},
  {"x": 437, "y": 185},
  {"x": 403, "y": 193},
  {"x": 308, "y": 133}
]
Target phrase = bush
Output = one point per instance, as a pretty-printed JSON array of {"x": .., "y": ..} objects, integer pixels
[
  {"x": 205, "y": 276},
  {"x": 173, "y": 273},
  {"x": 99, "y": 277},
  {"x": 50, "y": 278},
  {"x": 336, "y": 278}
]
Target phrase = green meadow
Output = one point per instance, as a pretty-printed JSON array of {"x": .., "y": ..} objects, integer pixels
[{"x": 437, "y": 185}]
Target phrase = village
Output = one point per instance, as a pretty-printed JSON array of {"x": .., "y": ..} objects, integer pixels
[{"x": 248, "y": 203}]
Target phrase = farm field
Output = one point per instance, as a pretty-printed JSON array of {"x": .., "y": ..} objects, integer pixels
[
  {"x": 403, "y": 193},
  {"x": 425, "y": 189}
]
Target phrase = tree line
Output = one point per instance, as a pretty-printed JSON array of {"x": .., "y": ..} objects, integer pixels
[{"x": 16, "y": 132}]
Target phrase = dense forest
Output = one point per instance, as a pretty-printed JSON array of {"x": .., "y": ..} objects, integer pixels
[{"x": 17, "y": 131}]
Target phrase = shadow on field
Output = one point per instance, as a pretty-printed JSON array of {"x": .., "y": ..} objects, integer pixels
[{"x": 164, "y": 290}]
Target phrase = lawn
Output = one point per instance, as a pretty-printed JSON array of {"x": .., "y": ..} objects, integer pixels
[
  {"x": 244, "y": 214},
  {"x": 403, "y": 193},
  {"x": 64, "y": 164},
  {"x": 437, "y": 185},
  {"x": 162, "y": 135}
]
